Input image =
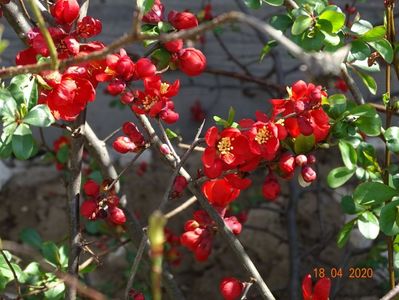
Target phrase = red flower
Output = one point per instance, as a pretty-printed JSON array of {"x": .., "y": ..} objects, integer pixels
[
  {"x": 231, "y": 288},
  {"x": 88, "y": 27},
  {"x": 271, "y": 188},
  {"x": 263, "y": 139},
  {"x": 225, "y": 150},
  {"x": 131, "y": 130},
  {"x": 65, "y": 11},
  {"x": 26, "y": 57},
  {"x": 123, "y": 145},
  {"x": 69, "y": 96},
  {"x": 321, "y": 290},
  {"x": 220, "y": 192},
  {"x": 174, "y": 46},
  {"x": 155, "y": 15},
  {"x": 182, "y": 20},
  {"x": 191, "y": 61},
  {"x": 145, "y": 68},
  {"x": 135, "y": 295}
]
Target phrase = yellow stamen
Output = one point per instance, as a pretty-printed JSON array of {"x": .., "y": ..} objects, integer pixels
[
  {"x": 164, "y": 88},
  {"x": 224, "y": 146},
  {"x": 263, "y": 135}
]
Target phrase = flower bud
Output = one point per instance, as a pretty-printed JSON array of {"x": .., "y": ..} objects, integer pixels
[
  {"x": 145, "y": 68},
  {"x": 164, "y": 149},
  {"x": 308, "y": 174},
  {"x": 91, "y": 188},
  {"x": 88, "y": 209},
  {"x": 65, "y": 11},
  {"x": 116, "y": 215},
  {"x": 301, "y": 160},
  {"x": 169, "y": 116},
  {"x": 127, "y": 98},
  {"x": 155, "y": 15},
  {"x": 231, "y": 288},
  {"x": 271, "y": 188},
  {"x": 287, "y": 163},
  {"x": 311, "y": 159},
  {"x": 191, "y": 61},
  {"x": 182, "y": 20},
  {"x": 116, "y": 87},
  {"x": 174, "y": 46}
]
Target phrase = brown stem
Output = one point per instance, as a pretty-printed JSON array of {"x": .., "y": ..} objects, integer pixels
[
  {"x": 389, "y": 6},
  {"x": 16, "y": 281},
  {"x": 73, "y": 189}
]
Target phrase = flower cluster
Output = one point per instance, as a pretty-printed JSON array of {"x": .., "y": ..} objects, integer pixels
[
  {"x": 200, "y": 231},
  {"x": 190, "y": 61},
  {"x": 101, "y": 203},
  {"x": 271, "y": 142}
]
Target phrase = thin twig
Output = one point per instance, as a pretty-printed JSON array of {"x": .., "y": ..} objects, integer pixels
[
  {"x": 182, "y": 207},
  {"x": 108, "y": 137},
  {"x": 167, "y": 140},
  {"x": 135, "y": 158},
  {"x": 357, "y": 95},
  {"x": 177, "y": 169},
  {"x": 135, "y": 265},
  {"x": 16, "y": 281},
  {"x": 391, "y": 294},
  {"x": 248, "y": 286}
]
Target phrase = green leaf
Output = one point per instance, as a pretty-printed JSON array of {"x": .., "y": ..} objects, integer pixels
[
  {"x": 362, "y": 26},
  {"x": 31, "y": 237},
  {"x": 164, "y": 27},
  {"x": 388, "y": 216},
  {"x": 281, "y": 22},
  {"x": 24, "y": 90},
  {"x": 369, "y": 121},
  {"x": 267, "y": 48},
  {"x": 171, "y": 134},
  {"x": 348, "y": 154},
  {"x": 55, "y": 293},
  {"x": 359, "y": 51},
  {"x": 9, "y": 108},
  {"x": 348, "y": 205},
  {"x": 373, "y": 34},
  {"x": 145, "y": 5},
  {"x": 254, "y": 4},
  {"x": 230, "y": 119},
  {"x": 339, "y": 176},
  {"x": 51, "y": 253},
  {"x": 344, "y": 233},
  {"x": 392, "y": 138},
  {"x": 274, "y": 2},
  {"x": 23, "y": 142},
  {"x": 368, "y": 81},
  {"x": 161, "y": 57},
  {"x": 301, "y": 24},
  {"x": 39, "y": 116},
  {"x": 370, "y": 193},
  {"x": 336, "y": 19},
  {"x": 384, "y": 48},
  {"x": 368, "y": 225},
  {"x": 337, "y": 104},
  {"x": 304, "y": 144}
]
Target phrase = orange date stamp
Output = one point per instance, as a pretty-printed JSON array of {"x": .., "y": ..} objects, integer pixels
[{"x": 350, "y": 273}]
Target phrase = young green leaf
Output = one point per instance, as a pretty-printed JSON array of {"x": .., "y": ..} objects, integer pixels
[
  {"x": 336, "y": 20},
  {"x": 24, "y": 90},
  {"x": 304, "y": 144},
  {"x": 301, "y": 24},
  {"x": 349, "y": 155},
  {"x": 344, "y": 233},
  {"x": 339, "y": 176},
  {"x": 373, "y": 34}
]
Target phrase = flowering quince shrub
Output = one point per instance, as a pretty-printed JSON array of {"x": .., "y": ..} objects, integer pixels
[{"x": 281, "y": 143}]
